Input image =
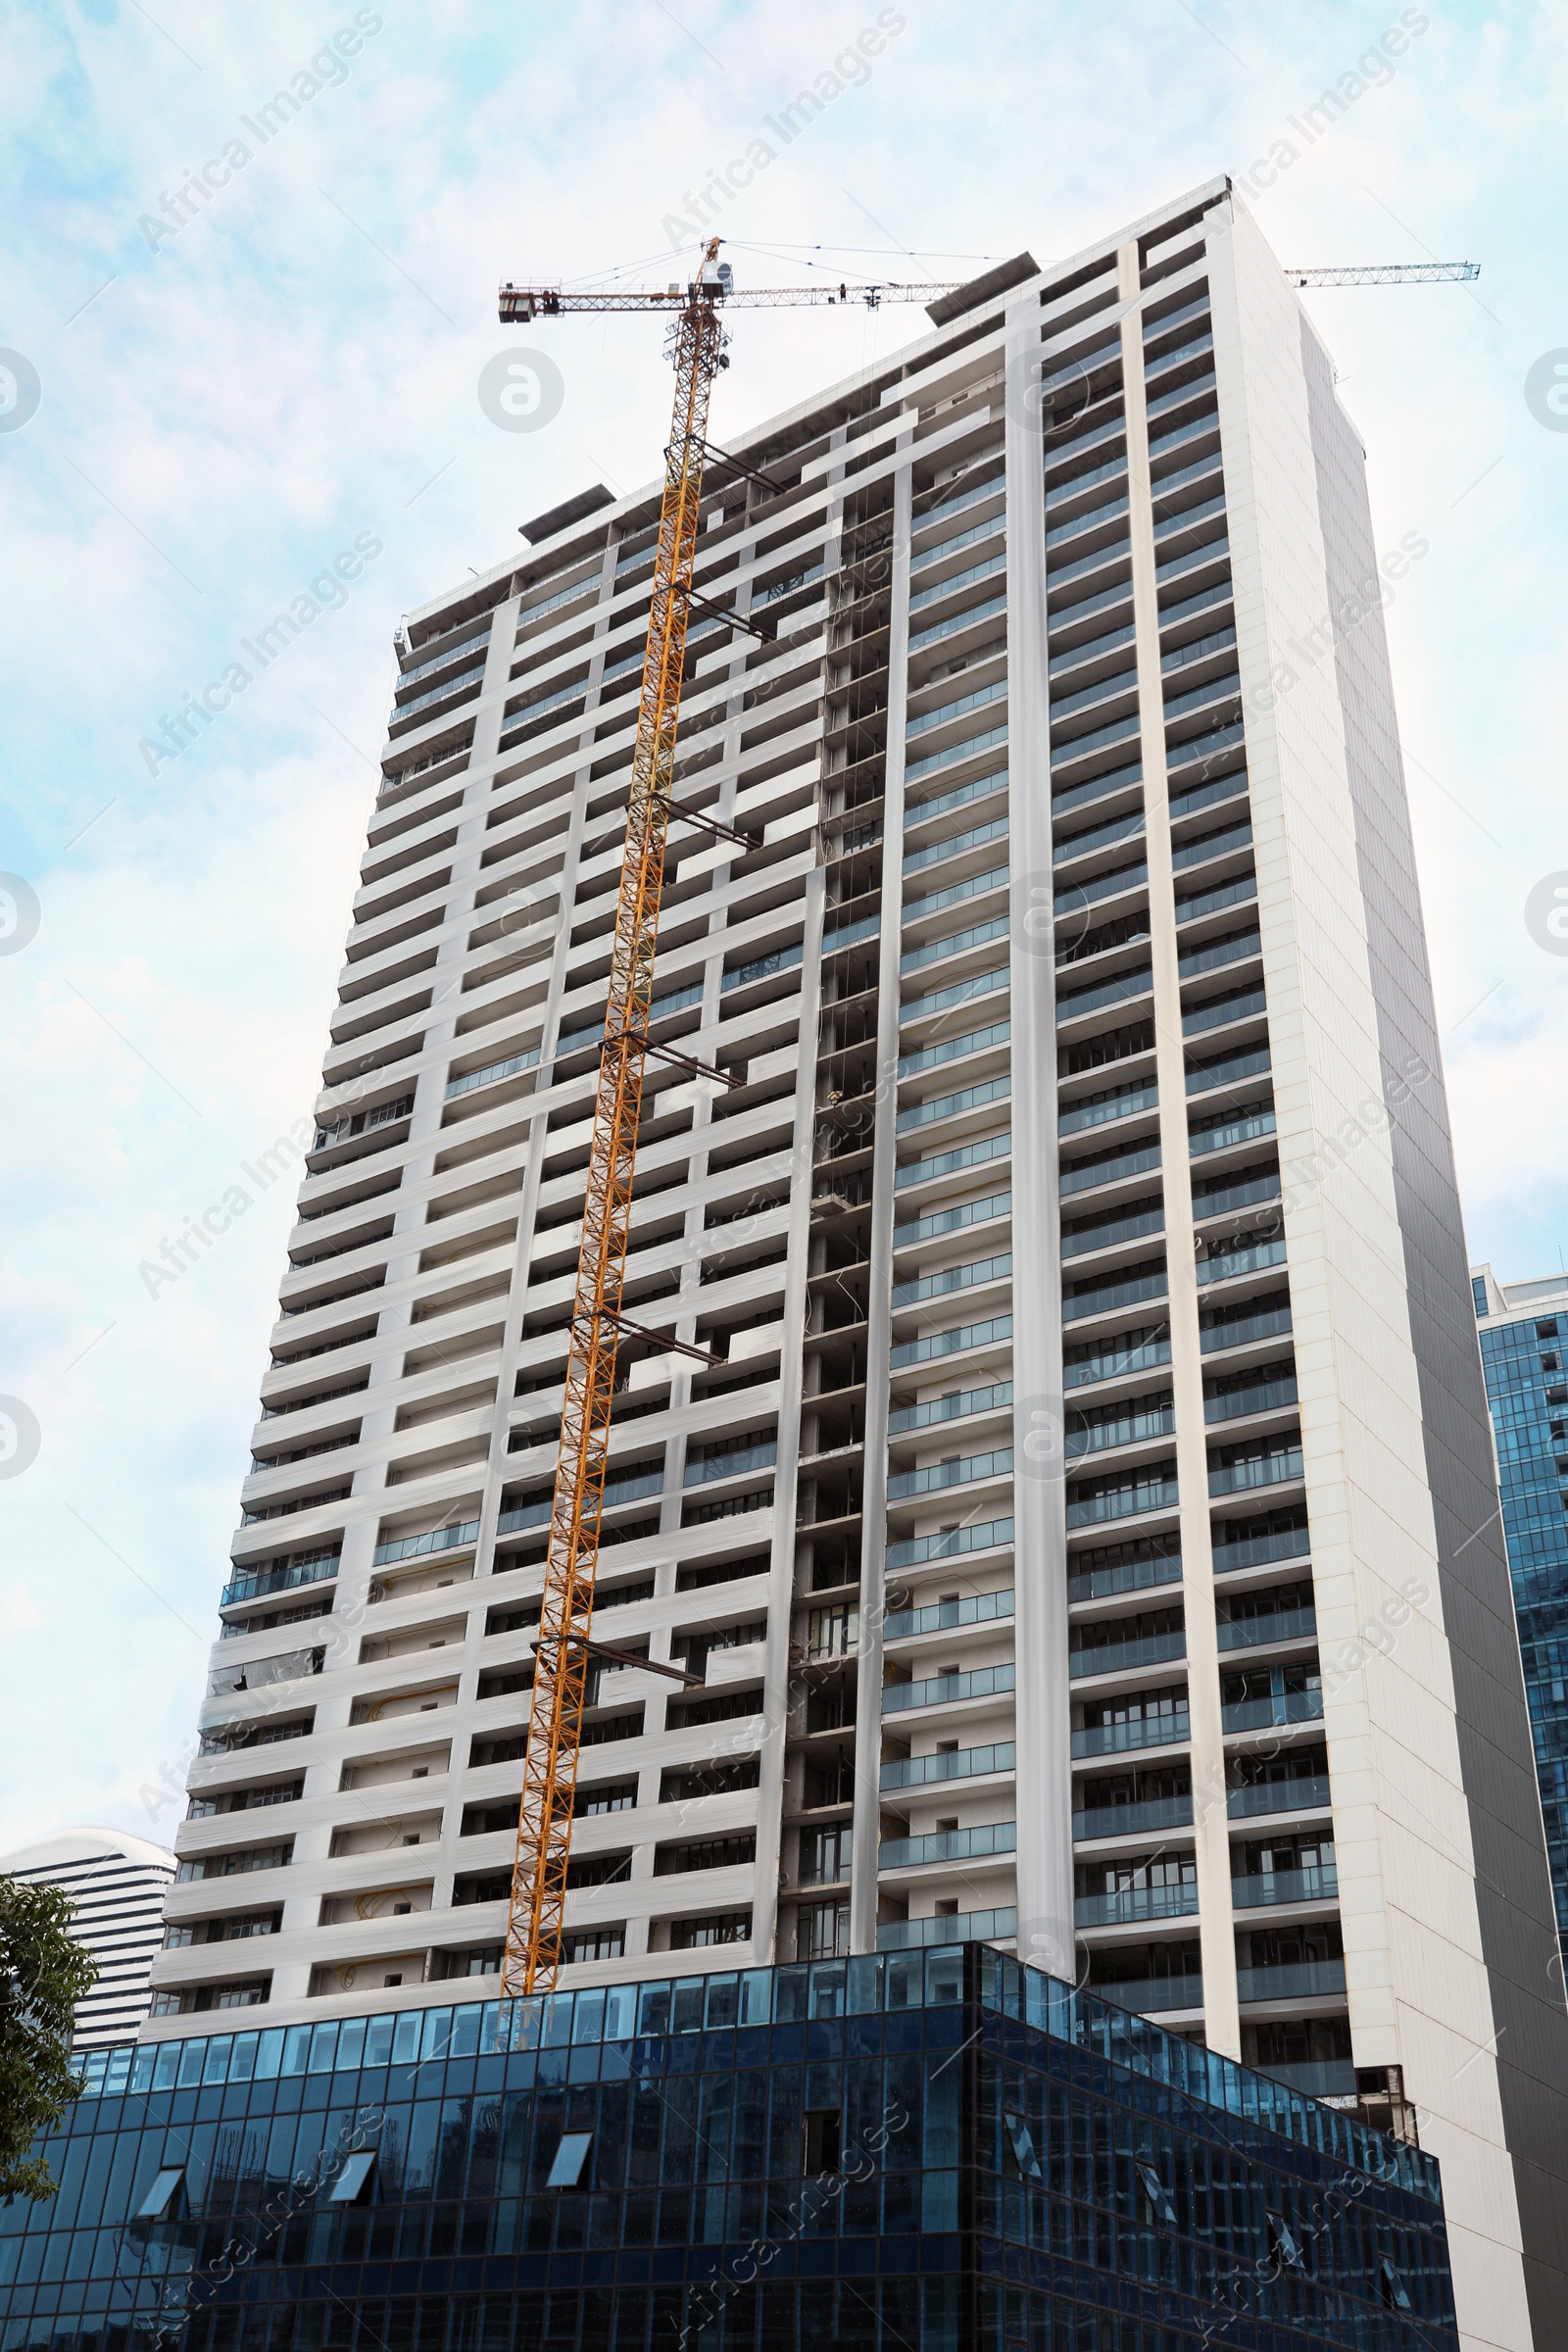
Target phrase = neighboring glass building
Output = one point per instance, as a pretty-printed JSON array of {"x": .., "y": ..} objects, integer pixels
[
  {"x": 1524, "y": 1345},
  {"x": 911, "y": 2152}
]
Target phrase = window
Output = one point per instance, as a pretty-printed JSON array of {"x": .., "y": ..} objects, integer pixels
[
  {"x": 1282, "y": 2245},
  {"x": 596, "y": 1943},
  {"x": 822, "y": 1931},
  {"x": 823, "y": 2139},
  {"x": 572, "y": 2155},
  {"x": 1023, "y": 2147},
  {"x": 696, "y": 1935},
  {"x": 161, "y": 2202},
  {"x": 352, "y": 2185},
  {"x": 1154, "y": 2190},
  {"x": 1393, "y": 2285}
]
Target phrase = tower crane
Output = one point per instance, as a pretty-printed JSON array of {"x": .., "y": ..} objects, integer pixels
[{"x": 563, "y": 1647}]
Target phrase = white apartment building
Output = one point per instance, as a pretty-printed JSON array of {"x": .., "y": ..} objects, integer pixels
[
  {"x": 1086, "y": 1530},
  {"x": 117, "y": 1886}
]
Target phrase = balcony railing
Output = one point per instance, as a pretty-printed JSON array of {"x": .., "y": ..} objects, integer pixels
[
  {"x": 941, "y": 1616},
  {"x": 938, "y": 1344},
  {"x": 492, "y": 1074},
  {"x": 1307, "y": 1981},
  {"x": 945, "y": 1689},
  {"x": 1134, "y": 1820},
  {"x": 1265, "y": 1714},
  {"x": 414, "y": 1548},
  {"x": 1113, "y": 1657},
  {"x": 1261, "y": 1397},
  {"x": 253, "y": 1584},
  {"x": 950, "y": 1543},
  {"x": 1131, "y": 1904},
  {"x": 1273, "y": 1625},
  {"x": 949, "y": 1846},
  {"x": 949, "y": 1408},
  {"x": 1301, "y": 1792},
  {"x": 1141, "y": 1730},
  {"x": 1267, "y": 1470},
  {"x": 938, "y": 1475},
  {"x": 949, "y": 1764},
  {"x": 1262, "y": 1551},
  {"x": 953, "y": 1278},
  {"x": 1127, "y": 1501},
  {"x": 726, "y": 1465},
  {"x": 952, "y": 1927},
  {"x": 1149, "y": 1996},
  {"x": 1259, "y": 1890}
]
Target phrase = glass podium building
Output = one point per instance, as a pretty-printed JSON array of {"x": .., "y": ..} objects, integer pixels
[{"x": 934, "y": 2151}]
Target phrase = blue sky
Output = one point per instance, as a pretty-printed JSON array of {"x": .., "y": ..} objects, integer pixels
[{"x": 226, "y": 407}]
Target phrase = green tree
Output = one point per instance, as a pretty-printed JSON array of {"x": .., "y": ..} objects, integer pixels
[{"x": 43, "y": 1975}]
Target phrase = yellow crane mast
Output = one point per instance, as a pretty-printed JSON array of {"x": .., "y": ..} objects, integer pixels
[{"x": 563, "y": 1647}]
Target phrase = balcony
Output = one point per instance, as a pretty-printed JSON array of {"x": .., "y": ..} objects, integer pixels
[
  {"x": 949, "y": 1764},
  {"x": 1261, "y": 1397},
  {"x": 1301, "y": 1792},
  {"x": 948, "y": 1543},
  {"x": 1275, "y": 1468},
  {"x": 702, "y": 1468},
  {"x": 1135, "y": 1731},
  {"x": 1246, "y": 1128},
  {"x": 942, "y": 1409},
  {"x": 944, "y": 1616},
  {"x": 1211, "y": 902},
  {"x": 952, "y": 1927},
  {"x": 1125, "y": 1498},
  {"x": 951, "y": 1107},
  {"x": 1204, "y": 1077},
  {"x": 1115, "y": 1102},
  {"x": 1078, "y": 1002},
  {"x": 1260, "y": 1889},
  {"x": 1099, "y": 1298},
  {"x": 1136, "y": 1422},
  {"x": 1282, "y": 1707},
  {"x": 1151, "y": 1997},
  {"x": 1262, "y": 1551},
  {"x": 947, "y": 1689},
  {"x": 955, "y": 845},
  {"x": 949, "y": 1846},
  {"x": 1117, "y": 1657},
  {"x": 939, "y": 1476},
  {"x": 1224, "y": 1265},
  {"x": 1272, "y": 1625},
  {"x": 1307, "y": 1981},
  {"x": 976, "y": 1274},
  {"x": 254, "y": 1583},
  {"x": 1127, "y": 1821},
  {"x": 1126, "y": 1576},
  {"x": 414, "y": 1548},
  {"x": 1128, "y": 1906},
  {"x": 1131, "y": 1226},
  {"x": 955, "y": 1049}
]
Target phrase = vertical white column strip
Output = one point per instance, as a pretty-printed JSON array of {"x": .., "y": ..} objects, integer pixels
[
  {"x": 1043, "y": 1713},
  {"x": 1211, "y": 1827}
]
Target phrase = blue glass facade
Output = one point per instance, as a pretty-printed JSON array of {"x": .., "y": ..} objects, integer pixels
[
  {"x": 1528, "y": 1394},
  {"x": 935, "y": 2150}
]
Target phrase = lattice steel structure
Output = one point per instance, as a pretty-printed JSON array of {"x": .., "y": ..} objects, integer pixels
[{"x": 550, "y": 1767}]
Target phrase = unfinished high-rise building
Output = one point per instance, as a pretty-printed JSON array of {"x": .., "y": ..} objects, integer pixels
[{"x": 1082, "y": 1526}]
